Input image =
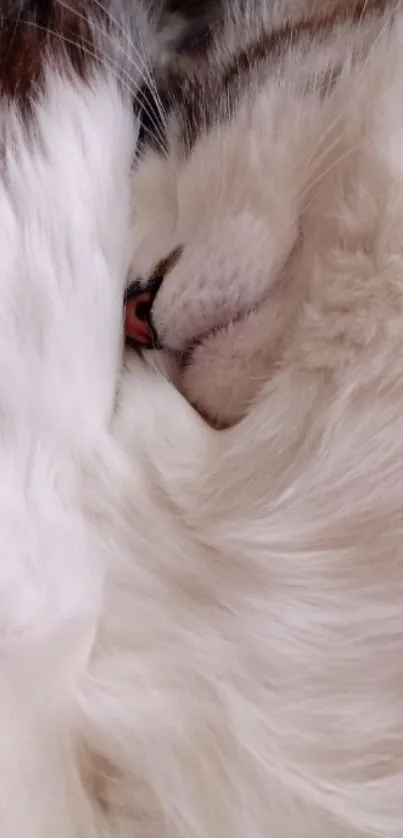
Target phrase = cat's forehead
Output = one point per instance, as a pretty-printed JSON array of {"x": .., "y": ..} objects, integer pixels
[
  {"x": 177, "y": 200},
  {"x": 197, "y": 92}
]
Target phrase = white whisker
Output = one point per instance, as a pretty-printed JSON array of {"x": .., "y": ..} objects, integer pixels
[
  {"x": 142, "y": 70},
  {"x": 133, "y": 48},
  {"x": 121, "y": 75}
]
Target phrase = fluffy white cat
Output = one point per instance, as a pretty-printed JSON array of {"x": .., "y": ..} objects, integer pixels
[{"x": 202, "y": 631}]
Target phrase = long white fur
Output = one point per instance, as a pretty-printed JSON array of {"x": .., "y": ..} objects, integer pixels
[
  {"x": 201, "y": 632},
  {"x": 63, "y": 265}
]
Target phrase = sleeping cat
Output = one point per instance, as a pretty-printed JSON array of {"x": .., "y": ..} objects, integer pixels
[{"x": 240, "y": 142}]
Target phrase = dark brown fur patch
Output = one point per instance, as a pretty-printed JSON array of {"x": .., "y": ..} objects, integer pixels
[{"x": 32, "y": 30}]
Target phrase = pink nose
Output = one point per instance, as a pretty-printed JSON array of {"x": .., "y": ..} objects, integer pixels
[{"x": 137, "y": 327}]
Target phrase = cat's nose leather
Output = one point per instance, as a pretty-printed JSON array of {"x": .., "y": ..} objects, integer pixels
[
  {"x": 139, "y": 327},
  {"x": 138, "y": 324}
]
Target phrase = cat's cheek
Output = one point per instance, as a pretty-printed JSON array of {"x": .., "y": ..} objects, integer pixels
[{"x": 225, "y": 373}]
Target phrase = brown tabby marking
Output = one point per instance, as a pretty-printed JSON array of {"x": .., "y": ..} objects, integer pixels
[
  {"x": 202, "y": 93},
  {"x": 281, "y": 40}
]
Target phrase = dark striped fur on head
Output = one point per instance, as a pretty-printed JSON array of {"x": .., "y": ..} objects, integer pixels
[{"x": 202, "y": 86}]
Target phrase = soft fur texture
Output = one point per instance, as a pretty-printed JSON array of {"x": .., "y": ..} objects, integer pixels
[
  {"x": 201, "y": 631},
  {"x": 256, "y": 138}
]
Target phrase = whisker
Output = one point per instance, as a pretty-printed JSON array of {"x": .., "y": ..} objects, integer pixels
[
  {"x": 154, "y": 90},
  {"x": 361, "y": 71},
  {"x": 335, "y": 163},
  {"x": 106, "y": 60},
  {"x": 158, "y": 134},
  {"x": 149, "y": 76},
  {"x": 142, "y": 70},
  {"x": 84, "y": 45}
]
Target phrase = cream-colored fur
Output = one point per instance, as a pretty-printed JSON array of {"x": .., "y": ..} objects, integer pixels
[
  {"x": 202, "y": 631},
  {"x": 246, "y": 203}
]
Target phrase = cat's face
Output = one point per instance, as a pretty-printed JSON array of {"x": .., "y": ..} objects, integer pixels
[
  {"x": 253, "y": 133},
  {"x": 225, "y": 216}
]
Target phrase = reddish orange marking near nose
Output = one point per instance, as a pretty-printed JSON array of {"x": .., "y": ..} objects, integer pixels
[{"x": 136, "y": 328}]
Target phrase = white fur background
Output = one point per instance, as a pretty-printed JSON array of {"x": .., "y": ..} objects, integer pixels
[{"x": 201, "y": 632}]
